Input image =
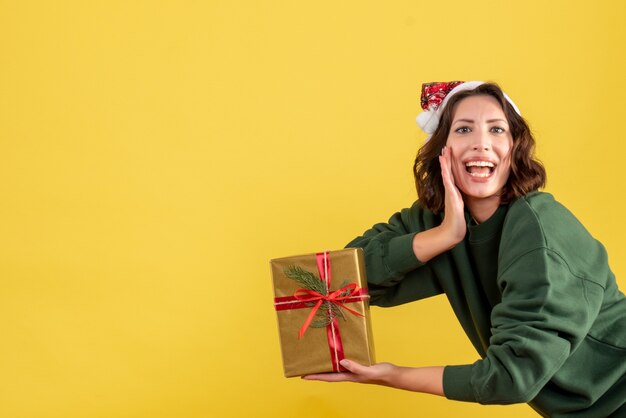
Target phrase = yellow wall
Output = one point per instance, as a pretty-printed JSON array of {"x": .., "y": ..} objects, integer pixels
[{"x": 154, "y": 155}]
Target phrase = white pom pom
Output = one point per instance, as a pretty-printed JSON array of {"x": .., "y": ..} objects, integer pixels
[{"x": 428, "y": 120}]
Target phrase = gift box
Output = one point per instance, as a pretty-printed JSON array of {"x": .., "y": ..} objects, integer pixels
[{"x": 322, "y": 308}]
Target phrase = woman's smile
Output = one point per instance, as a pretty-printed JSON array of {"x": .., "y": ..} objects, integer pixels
[{"x": 480, "y": 168}]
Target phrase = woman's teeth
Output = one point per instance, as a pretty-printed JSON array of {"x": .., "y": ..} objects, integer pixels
[{"x": 479, "y": 168}]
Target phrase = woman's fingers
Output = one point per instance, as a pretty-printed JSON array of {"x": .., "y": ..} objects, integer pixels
[
  {"x": 349, "y": 376},
  {"x": 446, "y": 172},
  {"x": 352, "y": 366},
  {"x": 331, "y": 377},
  {"x": 445, "y": 160},
  {"x": 377, "y": 373}
]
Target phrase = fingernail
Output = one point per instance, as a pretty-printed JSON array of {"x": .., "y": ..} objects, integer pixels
[{"x": 344, "y": 363}]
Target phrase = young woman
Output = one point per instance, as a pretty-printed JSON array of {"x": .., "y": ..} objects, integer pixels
[{"x": 530, "y": 286}]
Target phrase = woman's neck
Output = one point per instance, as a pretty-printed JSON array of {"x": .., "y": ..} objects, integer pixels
[{"x": 482, "y": 209}]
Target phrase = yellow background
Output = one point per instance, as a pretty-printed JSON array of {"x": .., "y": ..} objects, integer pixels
[{"x": 154, "y": 155}]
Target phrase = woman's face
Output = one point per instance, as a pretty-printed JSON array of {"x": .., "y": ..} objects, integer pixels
[{"x": 481, "y": 143}]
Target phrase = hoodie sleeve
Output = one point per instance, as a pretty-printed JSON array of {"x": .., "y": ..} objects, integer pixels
[
  {"x": 394, "y": 274},
  {"x": 545, "y": 312}
]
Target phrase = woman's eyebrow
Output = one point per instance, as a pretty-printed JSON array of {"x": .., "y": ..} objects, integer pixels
[
  {"x": 472, "y": 120},
  {"x": 463, "y": 120}
]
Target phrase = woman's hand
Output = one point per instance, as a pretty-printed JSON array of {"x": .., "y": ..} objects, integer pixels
[
  {"x": 454, "y": 217},
  {"x": 378, "y": 374},
  {"x": 432, "y": 242},
  {"x": 421, "y": 379}
]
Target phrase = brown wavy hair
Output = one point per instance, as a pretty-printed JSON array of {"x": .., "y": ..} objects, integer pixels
[{"x": 527, "y": 173}]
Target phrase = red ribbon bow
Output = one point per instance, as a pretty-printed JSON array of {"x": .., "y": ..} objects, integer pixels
[{"x": 338, "y": 297}]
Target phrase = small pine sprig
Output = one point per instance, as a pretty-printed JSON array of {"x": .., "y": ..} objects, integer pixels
[
  {"x": 325, "y": 315},
  {"x": 307, "y": 279},
  {"x": 327, "y": 311}
]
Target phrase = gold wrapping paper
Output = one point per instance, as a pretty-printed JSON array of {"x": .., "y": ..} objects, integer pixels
[{"x": 311, "y": 353}]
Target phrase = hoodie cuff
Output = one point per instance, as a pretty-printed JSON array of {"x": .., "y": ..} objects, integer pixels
[
  {"x": 400, "y": 256},
  {"x": 457, "y": 383}
]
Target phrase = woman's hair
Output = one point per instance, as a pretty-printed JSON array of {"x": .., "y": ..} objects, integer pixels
[{"x": 526, "y": 175}]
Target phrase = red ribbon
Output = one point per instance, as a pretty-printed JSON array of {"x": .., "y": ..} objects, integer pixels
[
  {"x": 302, "y": 298},
  {"x": 306, "y": 295}
]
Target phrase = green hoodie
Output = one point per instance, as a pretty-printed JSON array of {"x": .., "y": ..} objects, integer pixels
[{"x": 534, "y": 293}]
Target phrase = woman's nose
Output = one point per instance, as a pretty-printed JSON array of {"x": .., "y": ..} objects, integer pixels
[{"x": 482, "y": 143}]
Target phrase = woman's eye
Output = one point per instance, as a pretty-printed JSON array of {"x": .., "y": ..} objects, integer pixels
[
  {"x": 497, "y": 130},
  {"x": 463, "y": 130}
]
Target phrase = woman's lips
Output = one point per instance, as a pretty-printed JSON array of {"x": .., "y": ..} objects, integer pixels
[{"x": 479, "y": 168}]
